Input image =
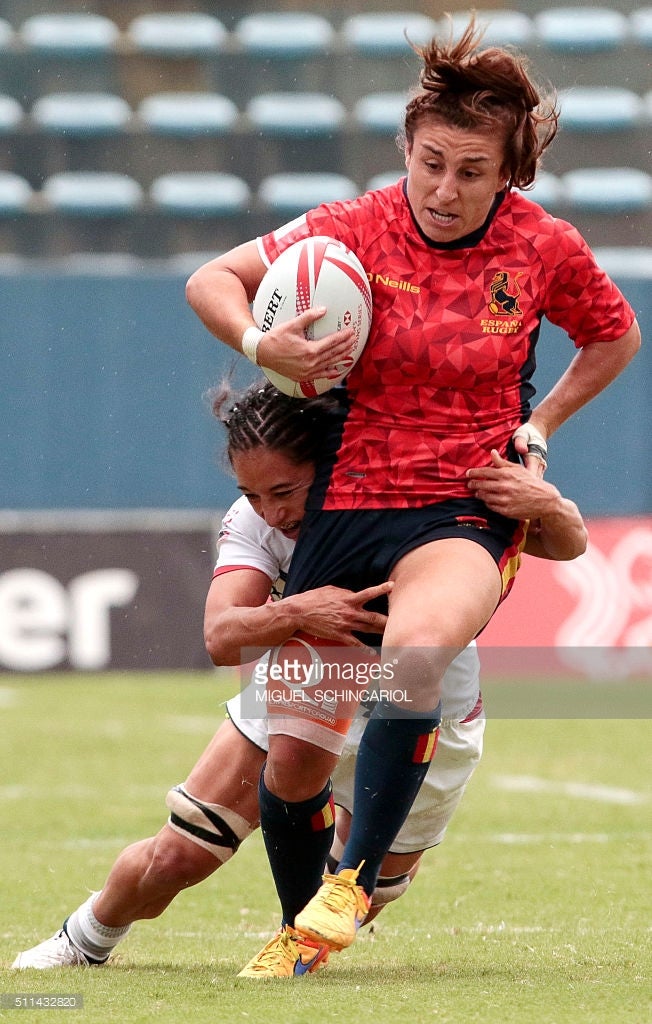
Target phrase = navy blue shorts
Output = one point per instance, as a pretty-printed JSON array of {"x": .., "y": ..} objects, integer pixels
[{"x": 358, "y": 548}]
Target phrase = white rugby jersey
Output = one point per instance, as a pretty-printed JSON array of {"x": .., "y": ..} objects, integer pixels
[{"x": 245, "y": 541}]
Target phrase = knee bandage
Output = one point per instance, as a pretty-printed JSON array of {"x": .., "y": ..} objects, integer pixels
[{"x": 217, "y": 829}]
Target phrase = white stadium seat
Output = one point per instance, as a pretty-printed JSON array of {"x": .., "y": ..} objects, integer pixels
[
  {"x": 15, "y": 193},
  {"x": 200, "y": 194},
  {"x": 81, "y": 114},
  {"x": 69, "y": 34},
  {"x": 501, "y": 27},
  {"x": 581, "y": 29},
  {"x": 177, "y": 34},
  {"x": 385, "y": 178},
  {"x": 641, "y": 25},
  {"x": 383, "y": 33},
  {"x": 547, "y": 190},
  {"x": 607, "y": 189},
  {"x": 599, "y": 108},
  {"x": 188, "y": 113},
  {"x": 92, "y": 193},
  {"x": 294, "y": 192},
  {"x": 296, "y": 113},
  {"x": 381, "y": 112},
  {"x": 284, "y": 34},
  {"x": 11, "y": 114}
]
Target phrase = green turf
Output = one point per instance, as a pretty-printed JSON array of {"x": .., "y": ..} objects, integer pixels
[{"x": 535, "y": 910}]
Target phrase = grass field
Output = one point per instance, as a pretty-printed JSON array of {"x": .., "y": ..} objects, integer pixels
[{"x": 535, "y": 910}]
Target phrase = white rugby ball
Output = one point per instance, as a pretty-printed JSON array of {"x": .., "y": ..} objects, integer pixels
[{"x": 316, "y": 271}]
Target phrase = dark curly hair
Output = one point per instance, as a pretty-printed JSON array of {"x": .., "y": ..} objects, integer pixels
[{"x": 263, "y": 417}]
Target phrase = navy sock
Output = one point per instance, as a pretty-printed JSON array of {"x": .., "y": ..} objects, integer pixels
[
  {"x": 393, "y": 758},
  {"x": 297, "y": 838}
]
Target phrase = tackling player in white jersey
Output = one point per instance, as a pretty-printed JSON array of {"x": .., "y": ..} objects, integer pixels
[{"x": 273, "y": 443}]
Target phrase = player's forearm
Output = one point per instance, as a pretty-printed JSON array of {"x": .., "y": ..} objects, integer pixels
[
  {"x": 219, "y": 299},
  {"x": 591, "y": 371},
  {"x": 560, "y": 534},
  {"x": 235, "y": 629}
]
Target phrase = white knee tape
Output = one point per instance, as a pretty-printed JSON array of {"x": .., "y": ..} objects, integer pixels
[
  {"x": 389, "y": 889},
  {"x": 217, "y": 829}
]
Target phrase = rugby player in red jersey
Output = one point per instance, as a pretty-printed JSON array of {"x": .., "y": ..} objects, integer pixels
[{"x": 463, "y": 267}]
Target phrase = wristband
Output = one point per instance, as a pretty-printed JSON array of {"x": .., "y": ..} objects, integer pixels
[{"x": 251, "y": 339}]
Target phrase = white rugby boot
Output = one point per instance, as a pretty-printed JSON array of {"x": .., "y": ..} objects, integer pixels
[{"x": 58, "y": 951}]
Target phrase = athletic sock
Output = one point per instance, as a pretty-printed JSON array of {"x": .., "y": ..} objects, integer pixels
[
  {"x": 297, "y": 838},
  {"x": 94, "y": 939},
  {"x": 393, "y": 757}
]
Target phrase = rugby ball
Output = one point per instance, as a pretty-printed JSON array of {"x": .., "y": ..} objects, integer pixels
[{"x": 318, "y": 271}]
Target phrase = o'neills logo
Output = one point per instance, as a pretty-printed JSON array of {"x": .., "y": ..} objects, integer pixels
[{"x": 390, "y": 282}]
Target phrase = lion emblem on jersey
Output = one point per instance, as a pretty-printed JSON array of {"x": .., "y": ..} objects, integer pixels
[{"x": 504, "y": 295}]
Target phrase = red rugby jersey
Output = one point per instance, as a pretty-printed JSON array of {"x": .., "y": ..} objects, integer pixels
[{"x": 445, "y": 375}]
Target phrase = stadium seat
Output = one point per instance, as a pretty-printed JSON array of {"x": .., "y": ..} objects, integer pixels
[
  {"x": 607, "y": 189},
  {"x": 177, "y": 34},
  {"x": 15, "y": 194},
  {"x": 547, "y": 190},
  {"x": 641, "y": 25},
  {"x": 384, "y": 179},
  {"x": 284, "y": 34},
  {"x": 81, "y": 114},
  {"x": 293, "y": 192},
  {"x": 383, "y": 33},
  {"x": 296, "y": 113},
  {"x": 581, "y": 29},
  {"x": 92, "y": 193},
  {"x": 11, "y": 114},
  {"x": 188, "y": 113},
  {"x": 501, "y": 27},
  {"x": 200, "y": 194},
  {"x": 625, "y": 261},
  {"x": 69, "y": 34},
  {"x": 381, "y": 112},
  {"x": 7, "y": 36},
  {"x": 599, "y": 109}
]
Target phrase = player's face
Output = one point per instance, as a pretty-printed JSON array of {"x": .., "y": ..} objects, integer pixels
[
  {"x": 275, "y": 486},
  {"x": 453, "y": 177}
]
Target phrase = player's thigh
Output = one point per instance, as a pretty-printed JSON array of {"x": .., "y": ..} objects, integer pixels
[
  {"x": 444, "y": 593},
  {"x": 227, "y": 772}
]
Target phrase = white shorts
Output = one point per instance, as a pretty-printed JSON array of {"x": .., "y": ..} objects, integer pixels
[{"x": 459, "y": 750}]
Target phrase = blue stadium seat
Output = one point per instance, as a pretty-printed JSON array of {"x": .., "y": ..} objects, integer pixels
[
  {"x": 581, "y": 29},
  {"x": 296, "y": 113},
  {"x": 385, "y": 178},
  {"x": 81, "y": 114},
  {"x": 284, "y": 34},
  {"x": 641, "y": 25},
  {"x": 92, "y": 193},
  {"x": 69, "y": 34},
  {"x": 177, "y": 34},
  {"x": 7, "y": 36},
  {"x": 15, "y": 194},
  {"x": 607, "y": 189},
  {"x": 11, "y": 114},
  {"x": 383, "y": 33},
  {"x": 200, "y": 194},
  {"x": 292, "y": 192},
  {"x": 547, "y": 190},
  {"x": 188, "y": 113},
  {"x": 501, "y": 27},
  {"x": 600, "y": 108},
  {"x": 381, "y": 112}
]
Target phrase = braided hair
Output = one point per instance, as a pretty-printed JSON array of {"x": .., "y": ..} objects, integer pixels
[
  {"x": 263, "y": 417},
  {"x": 488, "y": 89}
]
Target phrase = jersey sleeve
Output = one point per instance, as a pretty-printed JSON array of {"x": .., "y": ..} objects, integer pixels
[
  {"x": 582, "y": 298},
  {"x": 241, "y": 543}
]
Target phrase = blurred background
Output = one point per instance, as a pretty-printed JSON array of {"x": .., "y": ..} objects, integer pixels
[{"x": 139, "y": 139}]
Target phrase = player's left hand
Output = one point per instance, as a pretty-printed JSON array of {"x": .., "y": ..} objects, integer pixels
[
  {"x": 512, "y": 490},
  {"x": 532, "y": 446}
]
